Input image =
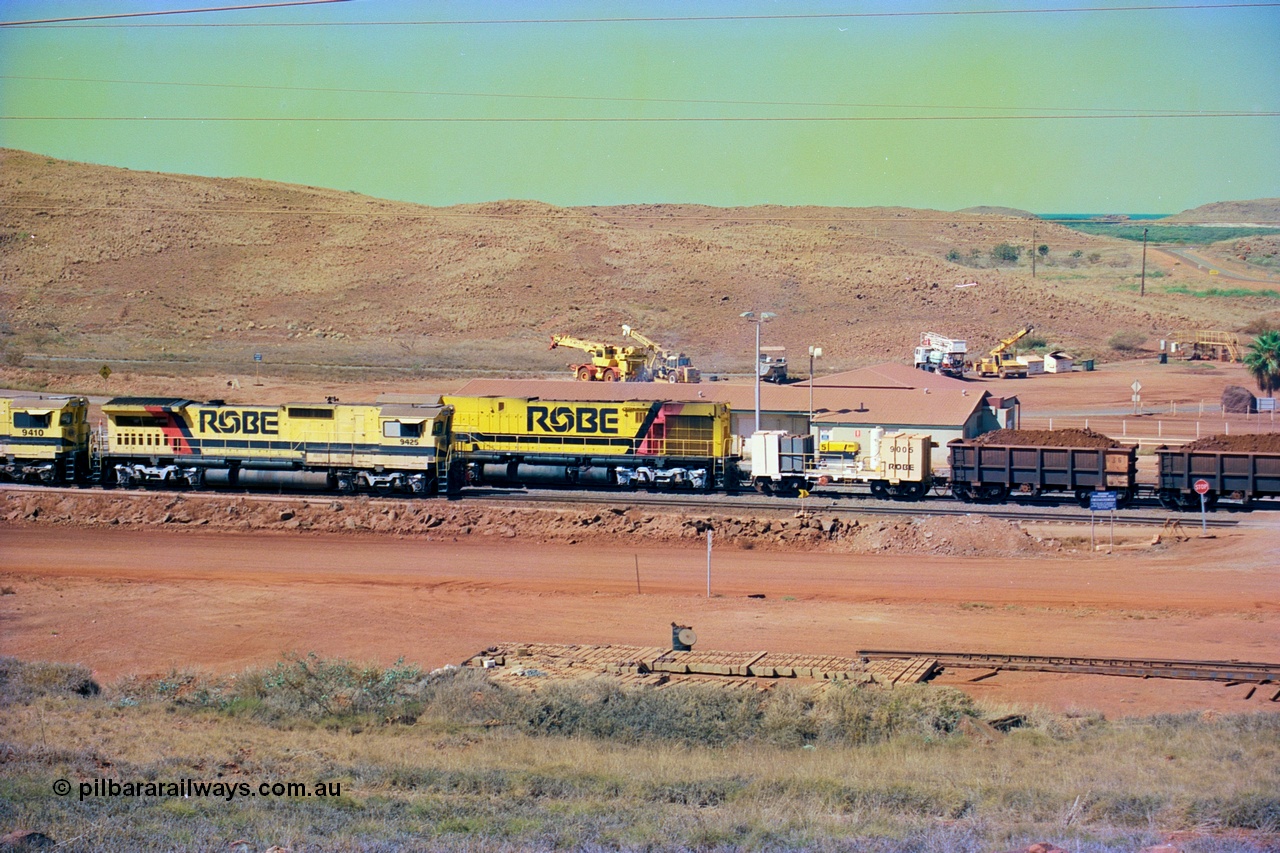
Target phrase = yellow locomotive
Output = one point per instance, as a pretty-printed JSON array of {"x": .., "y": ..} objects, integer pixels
[
  {"x": 387, "y": 447},
  {"x": 44, "y": 439},
  {"x": 527, "y": 440}
]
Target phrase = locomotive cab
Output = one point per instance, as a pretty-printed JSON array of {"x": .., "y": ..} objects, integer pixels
[{"x": 44, "y": 439}]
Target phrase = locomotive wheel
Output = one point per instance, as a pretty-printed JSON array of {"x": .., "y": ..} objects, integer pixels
[{"x": 879, "y": 489}]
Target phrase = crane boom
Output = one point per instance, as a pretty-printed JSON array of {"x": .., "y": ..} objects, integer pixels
[
  {"x": 996, "y": 364},
  {"x": 1011, "y": 340},
  {"x": 660, "y": 364},
  {"x": 609, "y": 362}
]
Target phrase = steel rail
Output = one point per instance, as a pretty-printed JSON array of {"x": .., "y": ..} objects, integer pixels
[
  {"x": 1192, "y": 670},
  {"x": 745, "y": 502},
  {"x": 860, "y": 506}
]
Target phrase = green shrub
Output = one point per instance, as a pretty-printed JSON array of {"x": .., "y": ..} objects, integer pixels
[
  {"x": 21, "y": 682},
  {"x": 1006, "y": 254},
  {"x": 1127, "y": 340}
]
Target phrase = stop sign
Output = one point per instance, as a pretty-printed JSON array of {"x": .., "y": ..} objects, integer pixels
[{"x": 1202, "y": 487}]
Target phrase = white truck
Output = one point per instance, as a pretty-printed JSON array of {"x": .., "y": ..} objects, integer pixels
[
  {"x": 892, "y": 466},
  {"x": 940, "y": 354}
]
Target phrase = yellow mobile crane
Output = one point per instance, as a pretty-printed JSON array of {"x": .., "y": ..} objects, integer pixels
[
  {"x": 996, "y": 363},
  {"x": 609, "y": 363},
  {"x": 661, "y": 365}
]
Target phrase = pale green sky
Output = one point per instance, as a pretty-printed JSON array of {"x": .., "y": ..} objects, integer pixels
[{"x": 769, "y": 103}]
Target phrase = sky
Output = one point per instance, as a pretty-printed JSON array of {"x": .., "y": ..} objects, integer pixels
[{"x": 1084, "y": 106}]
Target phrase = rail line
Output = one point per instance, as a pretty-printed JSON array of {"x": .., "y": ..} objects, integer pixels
[
  {"x": 700, "y": 503},
  {"x": 852, "y": 507},
  {"x": 1192, "y": 670}
]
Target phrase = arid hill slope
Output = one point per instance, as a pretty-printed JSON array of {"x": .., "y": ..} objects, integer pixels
[
  {"x": 1259, "y": 210},
  {"x": 112, "y": 263}
]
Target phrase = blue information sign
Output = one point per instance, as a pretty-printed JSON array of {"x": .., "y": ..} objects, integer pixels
[
  {"x": 257, "y": 356},
  {"x": 1101, "y": 501}
]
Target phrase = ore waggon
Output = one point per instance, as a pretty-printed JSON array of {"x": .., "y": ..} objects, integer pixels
[
  {"x": 44, "y": 439},
  {"x": 1240, "y": 475},
  {"x": 993, "y": 472},
  {"x": 637, "y": 443}
]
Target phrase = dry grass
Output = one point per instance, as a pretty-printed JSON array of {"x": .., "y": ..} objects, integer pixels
[{"x": 454, "y": 781}]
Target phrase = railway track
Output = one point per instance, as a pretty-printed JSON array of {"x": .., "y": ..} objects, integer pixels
[
  {"x": 706, "y": 503},
  {"x": 1231, "y": 671},
  {"x": 754, "y": 503}
]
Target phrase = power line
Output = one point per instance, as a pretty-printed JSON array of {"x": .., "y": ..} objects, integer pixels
[
  {"x": 170, "y": 12},
  {"x": 656, "y": 19},
  {"x": 331, "y": 90},
  {"x": 643, "y": 119}
]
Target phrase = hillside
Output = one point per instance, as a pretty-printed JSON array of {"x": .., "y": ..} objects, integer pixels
[
  {"x": 1264, "y": 211},
  {"x": 105, "y": 262}
]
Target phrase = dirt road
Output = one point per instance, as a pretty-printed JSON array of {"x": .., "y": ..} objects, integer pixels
[{"x": 128, "y": 600}]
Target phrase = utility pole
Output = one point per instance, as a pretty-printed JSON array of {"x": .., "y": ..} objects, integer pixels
[
  {"x": 1142, "y": 290},
  {"x": 1033, "y": 251}
]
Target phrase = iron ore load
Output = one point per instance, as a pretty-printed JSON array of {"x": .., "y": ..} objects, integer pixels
[
  {"x": 1235, "y": 467},
  {"x": 1029, "y": 463}
]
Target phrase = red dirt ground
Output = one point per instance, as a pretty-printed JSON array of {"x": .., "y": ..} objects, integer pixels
[{"x": 146, "y": 600}]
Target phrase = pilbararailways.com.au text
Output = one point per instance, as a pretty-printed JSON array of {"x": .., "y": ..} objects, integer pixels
[{"x": 196, "y": 788}]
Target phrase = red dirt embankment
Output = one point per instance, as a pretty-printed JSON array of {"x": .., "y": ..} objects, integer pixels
[{"x": 788, "y": 530}]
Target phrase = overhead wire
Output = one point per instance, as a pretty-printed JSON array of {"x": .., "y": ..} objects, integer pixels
[
  {"x": 640, "y": 119},
  {"x": 334, "y": 90},
  {"x": 898, "y": 13}
]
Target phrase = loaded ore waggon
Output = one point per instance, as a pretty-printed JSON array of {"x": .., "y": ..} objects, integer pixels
[
  {"x": 1005, "y": 463},
  {"x": 637, "y": 443},
  {"x": 393, "y": 447},
  {"x": 44, "y": 439},
  {"x": 1238, "y": 468}
]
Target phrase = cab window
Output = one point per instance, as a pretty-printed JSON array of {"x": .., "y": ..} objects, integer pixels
[
  {"x": 67, "y": 419},
  {"x": 26, "y": 420},
  {"x": 395, "y": 429}
]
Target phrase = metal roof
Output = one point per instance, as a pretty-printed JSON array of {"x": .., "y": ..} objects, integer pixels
[
  {"x": 146, "y": 402},
  {"x": 896, "y": 395}
]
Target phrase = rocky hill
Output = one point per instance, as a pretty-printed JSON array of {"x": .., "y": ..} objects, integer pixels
[
  {"x": 1265, "y": 211},
  {"x": 107, "y": 262}
]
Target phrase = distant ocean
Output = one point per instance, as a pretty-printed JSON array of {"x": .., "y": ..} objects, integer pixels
[{"x": 1059, "y": 216}]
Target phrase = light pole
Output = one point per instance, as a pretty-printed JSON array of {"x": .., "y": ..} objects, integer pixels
[
  {"x": 814, "y": 352},
  {"x": 757, "y": 318}
]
